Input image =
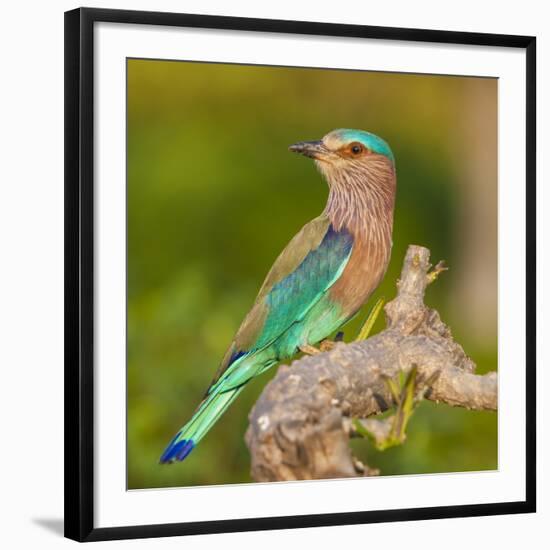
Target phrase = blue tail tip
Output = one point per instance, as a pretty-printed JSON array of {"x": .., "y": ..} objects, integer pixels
[{"x": 177, "y": 450}]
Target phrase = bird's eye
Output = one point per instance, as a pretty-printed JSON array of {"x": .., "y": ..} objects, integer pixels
[{"x": 356, "y": 149}]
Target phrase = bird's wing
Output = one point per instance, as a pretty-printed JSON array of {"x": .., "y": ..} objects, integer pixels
[{"x": 311, "y": 262}]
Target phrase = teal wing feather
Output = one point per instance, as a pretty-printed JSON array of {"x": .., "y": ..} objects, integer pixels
[
  {"x": 290, "y": 299},
  {"x": 301, "y": 275},
  {"x": 310, "y": 264}
]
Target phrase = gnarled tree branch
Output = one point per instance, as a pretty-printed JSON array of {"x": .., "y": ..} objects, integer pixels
[{"x": 300, "y": 426}]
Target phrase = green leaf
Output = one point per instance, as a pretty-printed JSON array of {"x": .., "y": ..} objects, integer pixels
[{"x": 371, "y": 319}]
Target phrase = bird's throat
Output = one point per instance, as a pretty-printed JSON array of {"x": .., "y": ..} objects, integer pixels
[{"x": 362, "y": 201}]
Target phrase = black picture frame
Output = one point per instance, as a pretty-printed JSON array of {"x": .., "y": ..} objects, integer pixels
[{"x": 79, "y": 272}]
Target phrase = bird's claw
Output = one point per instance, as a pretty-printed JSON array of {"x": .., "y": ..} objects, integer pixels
[
  {"x": 327, "y": 345},
  {"x": 309, "y": 350},
  {"x": 324, "y": 345}
]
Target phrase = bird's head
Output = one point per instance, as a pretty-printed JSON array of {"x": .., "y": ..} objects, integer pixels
[{"x": 347, "y": 151}]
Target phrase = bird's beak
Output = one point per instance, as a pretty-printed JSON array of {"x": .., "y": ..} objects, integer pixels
[{"x": 311, "y": 149}]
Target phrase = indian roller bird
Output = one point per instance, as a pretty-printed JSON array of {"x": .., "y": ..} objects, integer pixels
[{"x": 319, "y": 281}]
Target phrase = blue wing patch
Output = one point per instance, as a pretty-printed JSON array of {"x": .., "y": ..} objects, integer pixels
[{"x": 236, "y": 355}]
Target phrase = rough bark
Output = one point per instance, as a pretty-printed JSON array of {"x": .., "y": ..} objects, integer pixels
[{"x": 300, "y": 426}]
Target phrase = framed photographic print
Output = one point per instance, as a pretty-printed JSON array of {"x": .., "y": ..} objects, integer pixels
[{"x": 300, "y": 274}]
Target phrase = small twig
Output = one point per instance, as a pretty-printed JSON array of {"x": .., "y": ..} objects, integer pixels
[
  {"x": 437, "y": 270},
  {"x": 391, "y": 431}
]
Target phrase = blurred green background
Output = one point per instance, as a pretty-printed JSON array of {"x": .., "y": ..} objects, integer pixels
[{"x": 214, "y": 196}]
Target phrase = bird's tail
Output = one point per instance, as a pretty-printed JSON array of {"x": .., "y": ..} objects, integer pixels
[{"x": 204, "y": 418}]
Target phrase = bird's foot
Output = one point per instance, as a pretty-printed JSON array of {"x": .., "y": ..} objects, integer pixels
[
  {"x": 324, "y": 345},
  {"x": 309, "y": 350},
  {"x": 327, "y": 345}
]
